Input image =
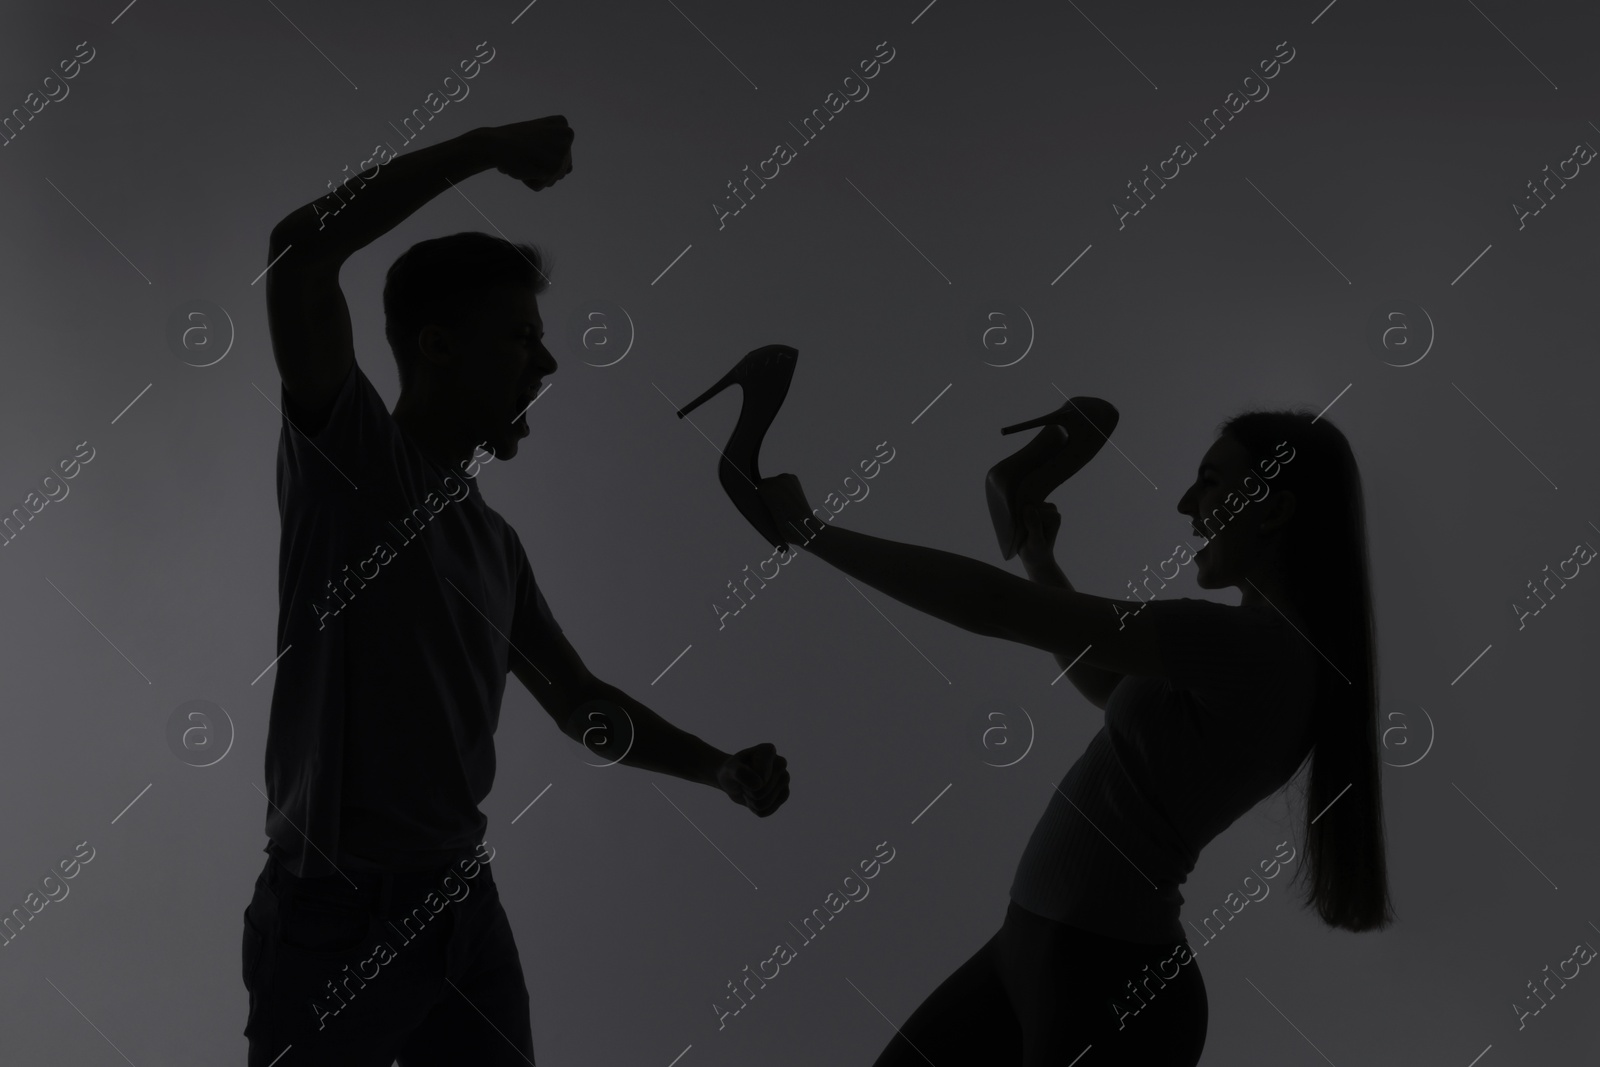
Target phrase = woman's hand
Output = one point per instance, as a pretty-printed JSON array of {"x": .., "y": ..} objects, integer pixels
[
  {"x": 787, "y": 502},
  {"x": 1040, "y": 523}
]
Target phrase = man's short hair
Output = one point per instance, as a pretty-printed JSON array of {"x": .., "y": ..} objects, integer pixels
[{"x": 443, "y": 280}]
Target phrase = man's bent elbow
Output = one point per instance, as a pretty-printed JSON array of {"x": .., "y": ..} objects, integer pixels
[{"x": 304, "y": 230}]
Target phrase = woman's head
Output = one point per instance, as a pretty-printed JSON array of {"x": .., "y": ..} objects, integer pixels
[
  {"x": 1319, "y": 521},
  {"x": 1302, "y": 517},
  {"x": 1234, "y": 506}
]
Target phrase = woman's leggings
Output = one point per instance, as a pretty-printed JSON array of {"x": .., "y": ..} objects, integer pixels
[{"x": 1040, "y": 992}]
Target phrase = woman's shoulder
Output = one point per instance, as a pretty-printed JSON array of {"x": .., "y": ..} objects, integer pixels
[
  {"x": 1205, "y": 644},
  {"x": 1252, "y": 616}
]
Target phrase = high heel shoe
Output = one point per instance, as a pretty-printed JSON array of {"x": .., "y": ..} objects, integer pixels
[
  {"x": 763, "y": 375},
  {"x": 1072, "y": 435}
]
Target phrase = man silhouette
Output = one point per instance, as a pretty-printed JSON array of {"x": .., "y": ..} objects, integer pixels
[{"x": 375, "y": 932}]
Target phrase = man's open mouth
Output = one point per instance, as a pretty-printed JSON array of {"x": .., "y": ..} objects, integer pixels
[{"x": 524, "y": 402}]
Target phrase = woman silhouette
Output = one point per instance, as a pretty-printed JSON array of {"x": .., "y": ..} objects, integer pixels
[{"x": 1209, "y": 709}]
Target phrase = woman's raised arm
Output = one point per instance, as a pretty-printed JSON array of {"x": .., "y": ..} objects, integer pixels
[{"x": 971, "y": 594}]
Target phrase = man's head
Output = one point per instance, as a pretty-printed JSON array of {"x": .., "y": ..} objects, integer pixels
[{"x": 462, "y": 316}]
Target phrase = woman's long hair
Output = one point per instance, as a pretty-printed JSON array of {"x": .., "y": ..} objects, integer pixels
[{"x": 1325, "y": 558}]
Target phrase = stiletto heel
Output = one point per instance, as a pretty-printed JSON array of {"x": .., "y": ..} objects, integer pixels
[
  {"x": 1042, "y": 420},
  {"x": 1071, "y": 436},
  {"x": 722, "y": 383},
  {"x": 763, "y": 375}
]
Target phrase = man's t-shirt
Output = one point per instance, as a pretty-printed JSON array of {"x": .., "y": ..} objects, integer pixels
[
  {"x": 1181, "y": 756},
  {"x": 398, "y": 590}
]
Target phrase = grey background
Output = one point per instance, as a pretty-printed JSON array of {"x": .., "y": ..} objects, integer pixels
[{"x": 995, "y": 141}]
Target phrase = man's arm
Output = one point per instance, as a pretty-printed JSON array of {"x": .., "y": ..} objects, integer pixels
[
  {"x": 563, "y": 685},
  {"x": 306, "y": 311},
  {"x": 755, "y": 777}
]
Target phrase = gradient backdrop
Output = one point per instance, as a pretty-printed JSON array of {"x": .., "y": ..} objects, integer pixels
[{"x": 977, "y": 180}]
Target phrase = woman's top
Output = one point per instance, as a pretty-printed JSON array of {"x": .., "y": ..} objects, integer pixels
[{"x": 1182, "y": 755}]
